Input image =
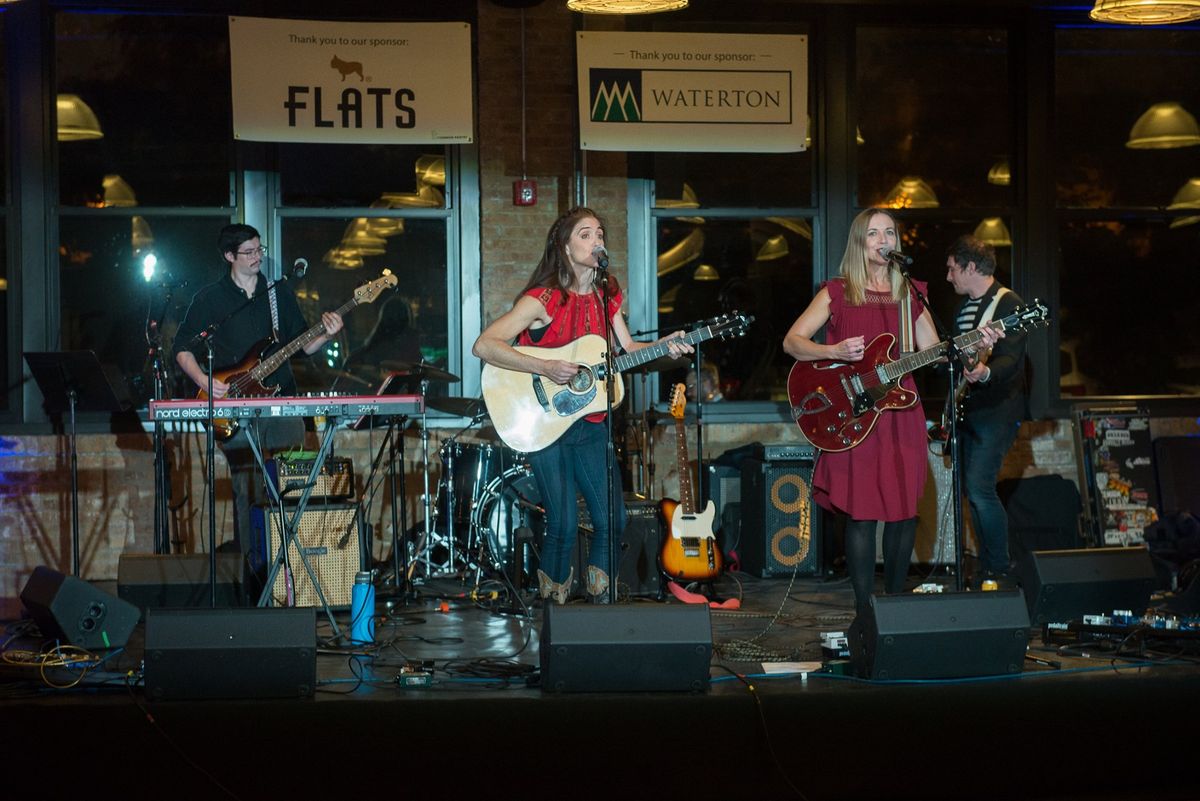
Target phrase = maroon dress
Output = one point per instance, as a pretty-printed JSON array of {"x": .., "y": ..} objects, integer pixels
[{"x": 884, "y": 475}]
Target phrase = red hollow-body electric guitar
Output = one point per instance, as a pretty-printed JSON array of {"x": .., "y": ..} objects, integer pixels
[{"x": 836, "y": 404}]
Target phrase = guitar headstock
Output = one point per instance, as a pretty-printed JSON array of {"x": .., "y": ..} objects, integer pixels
[
  {"x": 1028, "y": 316},
  {"x": 678, "y": 400},
  {"x": 733, "y": 324},
  {"x": 368, "y": 292}
]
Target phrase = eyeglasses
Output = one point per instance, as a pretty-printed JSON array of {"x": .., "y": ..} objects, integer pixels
[{"x": 260, "y": 251}]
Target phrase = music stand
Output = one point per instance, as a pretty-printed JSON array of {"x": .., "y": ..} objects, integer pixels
[{"x": 70, "y": 381}]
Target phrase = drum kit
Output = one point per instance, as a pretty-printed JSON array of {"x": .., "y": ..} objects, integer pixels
[
  {"x": 485, "y": 517},
  {"x": 486, "y": 507}
]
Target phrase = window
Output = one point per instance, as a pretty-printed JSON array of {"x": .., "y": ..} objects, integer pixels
[{"x": 1127, "y": 186}]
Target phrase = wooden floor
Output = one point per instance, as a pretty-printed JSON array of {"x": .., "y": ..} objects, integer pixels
[{"x": 769, "y": 725}]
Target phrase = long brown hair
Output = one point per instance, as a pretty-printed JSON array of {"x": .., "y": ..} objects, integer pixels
[
  {"x": 554, "y": 269},
  {"x": 854, "y": 260}
]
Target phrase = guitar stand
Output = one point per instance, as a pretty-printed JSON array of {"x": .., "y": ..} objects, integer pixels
[{"x": 291, "y": 525}]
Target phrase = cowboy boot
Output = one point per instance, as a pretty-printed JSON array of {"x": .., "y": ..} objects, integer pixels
[
  {"x": 559, "y": 593},
  {"x": 597, "y": 585}
]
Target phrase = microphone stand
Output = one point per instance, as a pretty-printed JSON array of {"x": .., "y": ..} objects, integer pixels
[
  {"x": 162, "y": 482},
  {"x": 610, "y": 457},
  {"x": 954, "y": 361}
]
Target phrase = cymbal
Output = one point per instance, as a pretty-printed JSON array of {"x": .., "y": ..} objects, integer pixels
[
  {"x": 463, "y": 407},
  {"x": 418, "y": 370}
]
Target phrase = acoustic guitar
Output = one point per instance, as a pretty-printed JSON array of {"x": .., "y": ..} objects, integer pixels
[
  {"x": 689, "y": 549},
  {"x": 246, "y": 379}
]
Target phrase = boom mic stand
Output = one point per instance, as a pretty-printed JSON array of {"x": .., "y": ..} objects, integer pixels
[
  {"x": 610, "y": 456},
  {"x": 954, "y": 360},
  {"x": 162, "y": 479}
]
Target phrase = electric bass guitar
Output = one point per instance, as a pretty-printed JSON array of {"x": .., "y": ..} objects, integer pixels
[
  {"x": 836, "y": 404},
  {"x": 689, "y": 550},
  {"x": 531, "y": 413},
  {"x": 246, "y": 379}
]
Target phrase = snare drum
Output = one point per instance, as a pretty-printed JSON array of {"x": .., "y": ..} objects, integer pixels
[{"x": 467, "y": 468}]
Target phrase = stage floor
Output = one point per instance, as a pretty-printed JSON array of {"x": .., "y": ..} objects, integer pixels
[{"x": 769, "y": 725}]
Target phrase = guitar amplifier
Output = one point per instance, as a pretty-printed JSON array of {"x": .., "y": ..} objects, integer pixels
[
  {"x": 780, "y": 522},
  {"x": 637, "y": 569},
  {"x": 331, "y": 538},
  {"x": 335, "y": 482}
]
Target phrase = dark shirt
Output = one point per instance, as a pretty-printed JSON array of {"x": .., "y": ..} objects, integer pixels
[
  {"x": 1004, "y": 392},
  {"x": 238, "y": 336}
]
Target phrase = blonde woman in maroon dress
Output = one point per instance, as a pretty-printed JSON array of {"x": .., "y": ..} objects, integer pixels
[{"x": 881, "y": 479}]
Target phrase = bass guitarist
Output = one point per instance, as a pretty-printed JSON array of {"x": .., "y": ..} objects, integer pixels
[
  {"x": 564, "y": 300},
  {"x": 277, "y": 315},
  {"x": 882, "y": 478},
  {"x": 995, "y": 403}
]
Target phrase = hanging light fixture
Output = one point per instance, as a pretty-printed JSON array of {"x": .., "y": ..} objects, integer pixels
[
  {"x": 117, "y": 192},
  {"x": 1000, "y": 174},
  {"x": 359, "y": 239},
  {"x": 1188, "y": 197},
  {"x": 706, "y": 272},
  {"x": 141, "y": 238},
  {"x": 911, "y": 193},
  {"x": 1164, "y": 125},
  {"x": 993, "y": 231},
  {"x": 776, "y": 247},
  {"x": 1145, "y": 12},
  {"x": 76, "y": 120},
  {"x": 625, "y": 6}
]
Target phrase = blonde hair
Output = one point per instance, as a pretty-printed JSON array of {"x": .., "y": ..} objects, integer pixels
[{"x": 854, "y": 260}]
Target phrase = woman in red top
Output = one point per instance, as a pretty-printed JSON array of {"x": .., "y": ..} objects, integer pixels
[
  {"x": 881, "y": 479},
  {"x": 561, "y": 303}
]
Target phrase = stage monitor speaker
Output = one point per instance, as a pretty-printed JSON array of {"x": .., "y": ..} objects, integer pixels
[
  {"x": 626, "y": 648},
  {"x": 257, "y": 652},
  {"x": 781, "y": 526},
  {"x": 1061, "y": 586},
  {"x": 69, "y": 609},
  {"x": 940, "y": 635},
  {"x": 178, "y": 579},
  {"x": 637, "y": 571},
  {"x": 331, "y": 539}
]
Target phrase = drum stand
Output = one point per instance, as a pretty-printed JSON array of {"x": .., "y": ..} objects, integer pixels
[{"x": 423, "y": 555}]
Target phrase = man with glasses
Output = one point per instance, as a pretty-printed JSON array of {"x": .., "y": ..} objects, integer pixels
[{"x": 246, "y": 314}]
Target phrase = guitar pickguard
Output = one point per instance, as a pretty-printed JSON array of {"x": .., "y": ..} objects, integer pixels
[{"x": 567, "y": 403}]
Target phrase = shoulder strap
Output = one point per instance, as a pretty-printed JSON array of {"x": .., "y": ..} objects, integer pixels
[
  {"x": 990, "y": 311},
  {"x": 907, "y": 336}
]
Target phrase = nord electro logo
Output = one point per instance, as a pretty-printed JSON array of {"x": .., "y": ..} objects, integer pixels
[{"x": 616, "y": 95}]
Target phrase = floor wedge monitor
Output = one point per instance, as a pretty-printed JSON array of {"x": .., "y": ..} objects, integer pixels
[
  {"x": 69, "y": 609},
  {"x": 941, "y": 635},
  {"x": 1061, "y": 586},
  {"x": 626, "y": 648}
]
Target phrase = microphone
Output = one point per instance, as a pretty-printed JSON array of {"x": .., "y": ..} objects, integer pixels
[
  {"x": 896, "y": 256},
  {"x": 299, "y": 268},
  {"x": 601, "y": 256}
]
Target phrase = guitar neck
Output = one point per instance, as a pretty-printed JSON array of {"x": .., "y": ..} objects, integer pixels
[
  {"x": 687, "y": 498},
  {"x": 276, "y": 359},
  {"x": 915, "y": 361},
  {"x": 637, "y": 358}
]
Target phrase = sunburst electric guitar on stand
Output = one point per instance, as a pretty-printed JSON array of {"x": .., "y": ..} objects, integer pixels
[
  {"x": 245, "y": 380},
  {"x": 689, "y": 549}
]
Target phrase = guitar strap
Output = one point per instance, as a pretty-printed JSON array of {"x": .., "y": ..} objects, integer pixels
[
  {"x": 990, "y": 311},
  {"x": 907, "y": 337},
  {"x": 274, "y": 313}
]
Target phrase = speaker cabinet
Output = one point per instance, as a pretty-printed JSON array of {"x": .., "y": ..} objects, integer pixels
[
  {"x": 69, "y": 609},
  {"x": 256, "y": 652},
  {"x": 781, "y": 526},
  {"x": 940, "y": 635},
  {"x": 1061, "y": 586},
  {"x": 157, "y": 580},
  {"x": 330, "y": 537},
  {"x": 625, "y": 648},
  {"x": 637, "y": 570}
]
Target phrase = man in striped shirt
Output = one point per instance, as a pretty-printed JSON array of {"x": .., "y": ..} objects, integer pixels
[{"x": 995, "y": 405}]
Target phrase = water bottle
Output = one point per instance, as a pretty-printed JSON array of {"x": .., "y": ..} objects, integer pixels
[{"x": 362, "y": 609}]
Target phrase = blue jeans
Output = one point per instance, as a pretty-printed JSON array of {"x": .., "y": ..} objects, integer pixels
[
  {"x": 985, "y": 441},
  {"x": 572, "y": 466}
]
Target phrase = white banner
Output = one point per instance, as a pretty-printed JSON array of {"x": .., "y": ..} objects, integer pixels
[
  {"x": 692, "y": 92},
  {"x": 351, "y": 82}
]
